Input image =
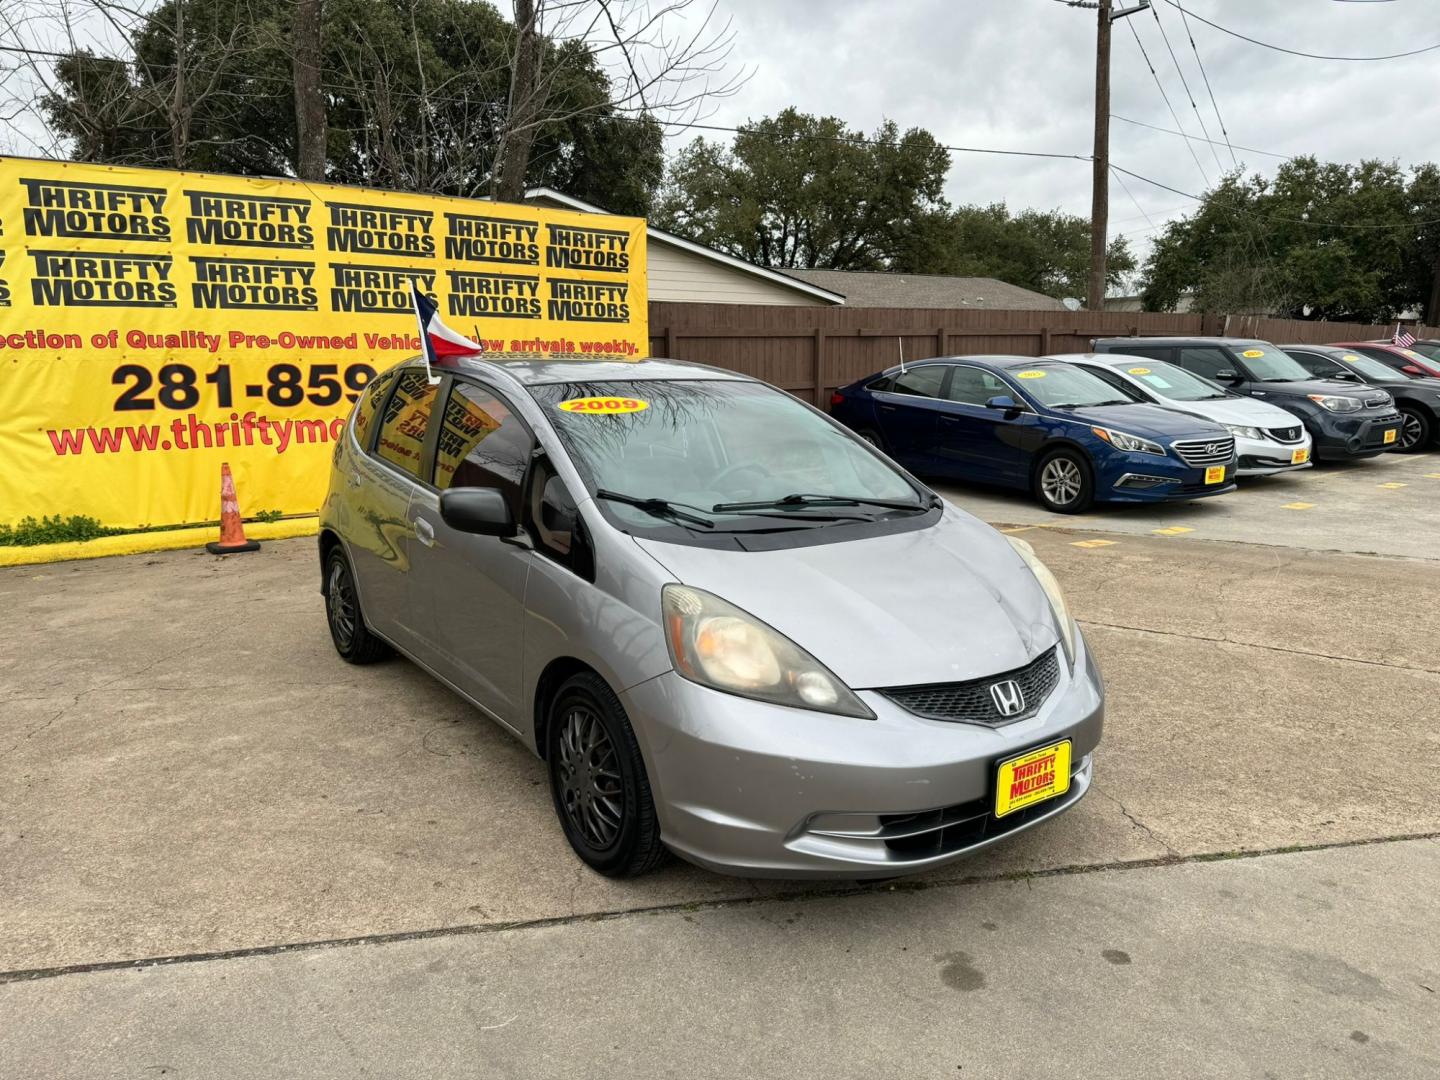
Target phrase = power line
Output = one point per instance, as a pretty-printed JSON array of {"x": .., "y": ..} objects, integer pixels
[
  {"x": 1186, "y": 84},
  {"x": 1160, "y": 86},
  {"x": 1185, "y": 21},
  {"x": 1126, "y": 188},
  {"x": 1172, "y": 131},
  {"x": 685, "y": 125},
  {"x": 1295, "y": 52},
  {"x": 1281, "y": 217}
]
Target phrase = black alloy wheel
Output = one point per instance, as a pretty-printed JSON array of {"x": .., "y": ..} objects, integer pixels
[
  {"x": 598, "y": 782},
  {"x": 1416, "y": 431},
  {"x": 353, "y": 639}
]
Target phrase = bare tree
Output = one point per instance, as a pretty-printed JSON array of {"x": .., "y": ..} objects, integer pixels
[
  {"x": 310, "y": 121},
  {"x": 667, "y": 59}
]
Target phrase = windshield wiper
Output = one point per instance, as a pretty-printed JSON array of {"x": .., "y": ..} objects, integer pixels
[
  {"x": 662, "y": 508},
  {"x": 801, "y": 501}
]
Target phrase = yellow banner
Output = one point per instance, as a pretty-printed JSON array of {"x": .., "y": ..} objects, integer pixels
[{"x": 154, "y": 324}]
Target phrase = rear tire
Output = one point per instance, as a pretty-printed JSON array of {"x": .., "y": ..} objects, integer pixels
[
  {"x": 871, "y": 436},
  {"x": 1064, "y": 482},
  {"x": 1417, "y": 431},
  {"x": 353, "y": 639},
  {"x": 598, "y": 782}
]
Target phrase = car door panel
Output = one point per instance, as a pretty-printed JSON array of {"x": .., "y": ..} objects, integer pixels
[
  {"x": 906, "y": 415},
  {"x": 979, "y": 443},
  {"x": 475, "y": 585}
]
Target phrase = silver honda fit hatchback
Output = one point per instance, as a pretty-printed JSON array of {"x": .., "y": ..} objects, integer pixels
[{"x": 729, "y": 627}]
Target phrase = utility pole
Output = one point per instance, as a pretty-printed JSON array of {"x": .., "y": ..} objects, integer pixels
[{"x": 1100, "y": 192}]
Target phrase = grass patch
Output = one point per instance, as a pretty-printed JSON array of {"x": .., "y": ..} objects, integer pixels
[{"x": 60, "y": 529}]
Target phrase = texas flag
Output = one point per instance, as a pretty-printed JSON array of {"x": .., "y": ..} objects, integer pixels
[{"x": 440, "y": 343}]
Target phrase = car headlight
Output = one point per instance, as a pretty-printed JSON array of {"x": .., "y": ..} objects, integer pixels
[
  {"x": 715, "y": 644},
  {"x": 1131, "y": 443},
  {"x": 1241, "y": 432},
  {"x": 1052, "y": 590},
  {"x": 1336, "y": 403}
]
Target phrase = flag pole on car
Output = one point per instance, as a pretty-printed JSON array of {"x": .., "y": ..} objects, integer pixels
[{"x": 439, "y": 343}]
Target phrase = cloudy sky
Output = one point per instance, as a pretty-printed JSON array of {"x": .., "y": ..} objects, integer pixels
[{"x": 1019, "y": 75}]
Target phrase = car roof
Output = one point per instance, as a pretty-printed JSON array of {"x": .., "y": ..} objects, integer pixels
[
  {"x": 1186, "y": 339},
  {"x": 1372, "y": 344},
  {"x": 1317, "y": 348},
  {"x": 530, "y": 370},
  {"x": 1115, "y": 359}
]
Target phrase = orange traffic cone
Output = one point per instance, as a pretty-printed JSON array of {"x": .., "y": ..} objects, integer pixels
[{"x": 232, "y": 532}]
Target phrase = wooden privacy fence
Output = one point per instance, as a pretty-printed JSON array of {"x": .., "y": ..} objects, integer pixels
[{"x": 810, "y": 351}]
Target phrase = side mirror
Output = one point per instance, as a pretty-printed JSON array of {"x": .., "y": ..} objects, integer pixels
[
  {"x": 1004, "y": 401},
  {"x": 1228, "y": 376},
  {"x": 482, "y": 511},
  {"x": 1411, "y": 369},
  {"x": 1343, "y": 376}
]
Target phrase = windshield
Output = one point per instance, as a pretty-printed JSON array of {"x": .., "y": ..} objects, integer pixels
[
  {"x": 1174, "y": 383},
  {"x": 1370, "y": 367},
  {"x": 695, "y": 445},
  {"x": 1062, "y": 386},
  {"x": 1428, "y": 349},
  {"x": 1266, "y": 363}
]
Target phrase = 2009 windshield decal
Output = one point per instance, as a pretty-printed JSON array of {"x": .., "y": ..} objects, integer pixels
[{"x": 604, "y": 405}]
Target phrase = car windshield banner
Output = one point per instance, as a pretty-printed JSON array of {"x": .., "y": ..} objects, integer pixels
[{"x": 154, "y": 324}]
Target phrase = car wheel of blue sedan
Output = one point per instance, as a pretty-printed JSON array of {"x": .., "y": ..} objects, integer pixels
[
  {"x": 598, "y": 782},
  {"x": 1065, "y": 482}
]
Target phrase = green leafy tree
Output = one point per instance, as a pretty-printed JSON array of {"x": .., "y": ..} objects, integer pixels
[
  {"x": 796, "y": 190},
  {"x": 1321, "y": 241},
  {"x": 415, "y": 98}
]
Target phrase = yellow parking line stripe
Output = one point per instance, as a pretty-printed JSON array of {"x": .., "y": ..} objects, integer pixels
[
  {"x": 1093, "y": 543},
  {"x": 1394, "y": 484},
  {"x": 1020, "y": 528},
  {"x": 1432, "y": 476},
  {"x": 1298, "y": 506},
  {"x": 1173, "y": 530}
]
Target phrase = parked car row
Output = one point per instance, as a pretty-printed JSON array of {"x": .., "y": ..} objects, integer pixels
[{"x": 1145, "y": 419}]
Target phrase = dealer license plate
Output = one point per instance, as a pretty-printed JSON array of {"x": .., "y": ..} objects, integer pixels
[
  {"x": 1033, "y": 777},
  {"x": 1390, "y": 435},
  {"x": 1215, "y": 474},
  {"x": 1299, "y": 457}
]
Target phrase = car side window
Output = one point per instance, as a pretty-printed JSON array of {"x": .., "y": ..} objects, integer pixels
[
  {"x": 1207, "y": 361},
  {"x": 972, "y": 386},
  {"x": 555, "y": 523},
  {"x": 1314, "y": 363},
  {"x": 406, "y": 421},
  {"x": 484, "y": 443},
  {"x": 369, "y": 406},
  {"x": 920, "y": 382}
]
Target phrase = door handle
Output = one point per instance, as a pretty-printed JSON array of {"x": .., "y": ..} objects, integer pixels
[
  {"x": 424, "y": 532},
  {"x": 888, "y": 408},
  {"x": 949, "y": 419}
]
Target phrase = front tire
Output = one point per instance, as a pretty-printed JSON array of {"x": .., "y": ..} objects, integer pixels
[
  {"x": 598, "y": 782},
  {"x": 1416, "y": 432},
  {"x": 872, "y": 437},
  {"x": 353, "y": 639},
  {"x": 1065, "y": 482}
]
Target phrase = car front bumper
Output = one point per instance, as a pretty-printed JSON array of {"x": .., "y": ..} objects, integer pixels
[
  {"x": 1264, "y": 457},
  {"x": 1342, "y": 436},
  {"x": 743, "y": 787},
  {"x": 1128, "y": 477}
]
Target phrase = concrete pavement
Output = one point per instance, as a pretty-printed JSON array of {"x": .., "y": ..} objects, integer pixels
[
  {"x": 1305, "y": 965},
  {"x": 186, "y": 769}
]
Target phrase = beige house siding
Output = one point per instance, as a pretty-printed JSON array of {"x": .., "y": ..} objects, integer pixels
[{"x": 680, "y": 276}]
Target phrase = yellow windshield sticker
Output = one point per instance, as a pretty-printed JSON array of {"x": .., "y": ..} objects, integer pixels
[
  {"x": 1030, "y": 375},
  {"x": 1139, "y": 371},
  {"x": 1351, "y": 357},
  {"x": 1251, "y": 354},
  {"x": 604, "y": 405}
]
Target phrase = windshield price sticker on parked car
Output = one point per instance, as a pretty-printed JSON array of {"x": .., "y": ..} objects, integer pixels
[
  {"x": 603, "y": 405},
  {"x": 1253, "y": 354},
  {"x": 1350, "y": 358},
  {"x": 1139, "y": 371},
  {"x": 1030, "y": 375}
]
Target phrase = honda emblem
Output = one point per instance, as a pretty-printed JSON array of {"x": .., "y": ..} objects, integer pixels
[{"x": 1008, "y": 697}]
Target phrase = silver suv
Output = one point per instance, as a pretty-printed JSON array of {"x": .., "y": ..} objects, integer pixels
[{"x": 730, "y": 628}]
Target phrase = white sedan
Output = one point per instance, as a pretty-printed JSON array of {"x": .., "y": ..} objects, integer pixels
[{"x": 1268, "y": 439}]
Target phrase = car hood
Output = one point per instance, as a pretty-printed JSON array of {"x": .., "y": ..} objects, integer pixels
[
  {"x": 1149, "y": 420},
  {"x": 1243, "y": 411},
  {"x": 1303, "y": 388},
  {"x": 945, "y": 603}
]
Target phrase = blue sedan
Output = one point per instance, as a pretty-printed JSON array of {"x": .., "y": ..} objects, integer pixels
[{"x": 1039, "y": 425}]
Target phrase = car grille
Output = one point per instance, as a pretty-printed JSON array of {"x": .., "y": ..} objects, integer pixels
[
  {"x": 1377, "y": 401},
  {"x": 972, "y": 703},
  {"x": 1285, "y": 434},
  {"x": 1201, "y": 452}
]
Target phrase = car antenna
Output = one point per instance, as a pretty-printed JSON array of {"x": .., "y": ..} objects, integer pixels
[{"x": 901, "y": 342}]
